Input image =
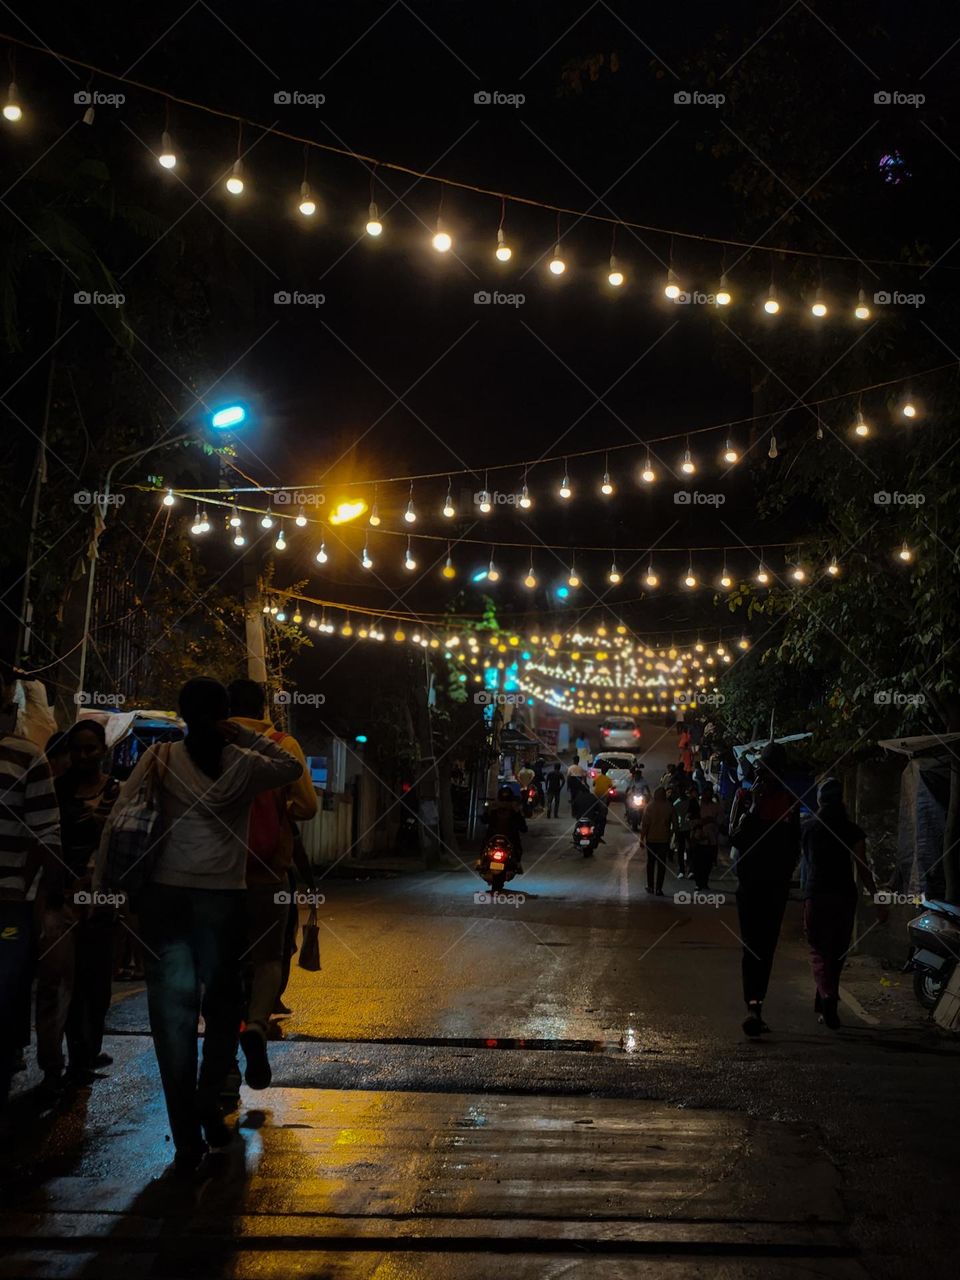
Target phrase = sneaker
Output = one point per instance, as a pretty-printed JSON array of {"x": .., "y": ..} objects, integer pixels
[
  {"x": 753, "y": 1023},
  {"x": 254, "y": 1045}
]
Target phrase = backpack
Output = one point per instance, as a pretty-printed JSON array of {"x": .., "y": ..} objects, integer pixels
[{"x": 267, "y": 826}]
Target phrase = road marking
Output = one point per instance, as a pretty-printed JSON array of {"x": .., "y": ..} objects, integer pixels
[
  {"x": 853, "y": 1003},
  {"x": 625, "y": 875}
]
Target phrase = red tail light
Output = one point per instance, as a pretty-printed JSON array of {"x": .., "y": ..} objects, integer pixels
[
  {"x": 636, "y": 733},
  {"x": 612, "y": 792},
  {"x": 604, "y": 733},
  {"x": 532, "y": 793},
  {"x": 499, "y": 855},
  {"x": 584, "y": 831}
]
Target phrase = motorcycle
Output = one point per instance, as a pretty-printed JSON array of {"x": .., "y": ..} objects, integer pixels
[
  {"x": 585, "y": 836},
  {"x": 935, "y": 937},
  {"x": 498, "y": 862},
  {"x": 531, "y": 801},
  {"x": 635, "y": 805}
]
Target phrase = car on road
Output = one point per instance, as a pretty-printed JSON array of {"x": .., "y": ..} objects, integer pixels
[
  {"x": 619, "y": 732},
  {"x": 619, "y": 770}
]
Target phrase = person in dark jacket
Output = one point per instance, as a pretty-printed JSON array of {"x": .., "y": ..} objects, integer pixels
[
  {"x": 767, "y": 844},
  {"x": 504, "y": 818},
  {"x": 834, "y": 859}
]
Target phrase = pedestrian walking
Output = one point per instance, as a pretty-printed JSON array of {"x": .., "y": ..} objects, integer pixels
[
  {"x": 29, "y": 857},
  {"x": 704, "y": 838},
  {"x": 554, "y": 785},
  {"x": 270, "y": 842},
  {"x": 575, "y": 776},
  {"x": 193, "y": 909},
  {"x": 835, "y": 861},
  {"x": 656, "y": 827},
  {"x": 767, "y": 844},
  {"x": 602, "y": 784},
  {"x": 684, "y": 805}
]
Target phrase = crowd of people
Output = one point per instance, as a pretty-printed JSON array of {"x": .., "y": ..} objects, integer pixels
[{"x": 212, "y": 919}]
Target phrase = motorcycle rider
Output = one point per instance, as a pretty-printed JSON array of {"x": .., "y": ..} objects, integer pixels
[
  {"x": 636, "y": 787},
  {"x": 503, "y": 818}
]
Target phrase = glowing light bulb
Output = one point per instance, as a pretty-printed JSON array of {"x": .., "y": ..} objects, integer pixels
[
  {"x": 374, "y": 515},
  {"x": 762, "y": 576},
  {"x": 301, "y": 521},
  {"x": 833, "y": 569},
  {"x": 281, "y": 615},
  {"x": 365, "y": 560},
  {"x": 651, "y": 578},
  {"x": 690, "y": 579},
  {"x": 168, "y": 498},
  {"x": 573, "y": 579},
  {"x": 239, "y": 540},
  {"x": 235, "y": 521},
  {"x": 799, "y": 574},
  {"x": 408, "y": 561},
  {"x": 688, "y": 466},
  {"x": 905, "y": 554},
  {"x": 615, "y": 275},
  {"x": 614, "y": 576},
  {"x": 504, "y": 252},
  {"x": 197, "y": 527},
  {"x": 606, "y": 488},
  {"x": 281, "y": 542},
  {"x": 861, "y": 310},
  {"x": 725, "y": 580},
  {"x": 723, "y": 296},
  {"x": 312, "y": 623},
  {"x": 486, "y": 506},
  {"x": 730, "y": 454},
  {"x": 12, "y": 110},
  {"x": 399, "y": 635},
  {"x": 204, "y": 522},
  {"x": 235, "y": 181},
  {"x": 266, "y": 521},
  {"x": 525, "y": 500},
  {"x": 346, "y": 629},
  {"x": 530, "y": 581},
  {"x": 374, "y": 225},
  {"x": 410, "y": 515},
  {"x": 771, "y": 306},
  {"x": 167, "y": 158},
  {"x": 493, "y": 573},
  {"x": 860, "y": 427},
  {"x": 448, "y": 509},
  {"x": 442, "y": 241},
  {"x": 322, "y": 556},
  {"x": 648, "y": 475},
  {"x": 743, "y": 643},
  {"x": 448, "y": 571},
  {"x": 672, "y": 288},
  {"x": 909, "y": 409},
  {"x": 307, "y": 206},
  {"x": 557, "y": 264},
  {"x": 819, "y": 307},
  {"x": 565, "y": 490}
]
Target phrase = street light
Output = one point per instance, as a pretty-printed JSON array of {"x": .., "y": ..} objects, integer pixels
[{"x": 221, "y": 420}]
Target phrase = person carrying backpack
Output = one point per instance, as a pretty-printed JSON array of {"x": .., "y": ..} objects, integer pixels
[{"x": 270, "y": 845}]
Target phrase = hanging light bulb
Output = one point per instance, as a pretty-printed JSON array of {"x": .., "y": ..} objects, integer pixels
[
  {"x": 442, "y": 241},
  {"x": 493, "y": 573},
  {"x": 565, "y": 490},
  {"x": 557, "y": 264},
  {"x": 167, "y": 158},
  {"x": 614, "y": 576},
  {"x": 281, "y": 615},
  {"x": 297, "y": 616},
  {"x": 743, "y": 643},
  {"x": 771, "y": 306},
  {"x": 197, "y": 527},
  {"x": 905, "y": 553},
  {"x": 818, "y": 307},
  {"x": 168, "y": 498},
  {"x": 204, "y": 525},
  {"x": 799, "y": 574},
  {"x": 301, "y": 520},
  {"x": 730, "y": 454},
  {"x": 346, "y": 629},
  {"x": 648, "y": 475},
  {"x": 448, "y": 571},
  {"x": 672, "y": 288},
  {"x": 762, "y": 576},
  {"x": 408, "y": 561},
  {"x": 861, "y": 310},
  {"x": 12, "y": 110},
  {"x": 908, "y": 408},
  {"x": 238, "y": 539},
  {"x": 89, "y": 115},
  {"x": 723, "y": 297},
  {"x": 651, "y": 578},
  {"x": 861, "y": 427},
  {"x": 274, "y": 609},
  {"x": 819, "y": 426},
  {"x": 606, "y": 487},
  {"x": 374, "y": 514},
  {"x": 449, "y": 510},
  {"x": 725, "y": 580},
  {"x": 690, "y": 578},
  {"x": 614, "y": 275},
  {"x": 504, "y": 252},
  {"x": 530, "y": 581},
  {"x": 573, "y": 579},
  {"x": 483, "y": 497},
  {"x": 526, "y": 502},
  {"x": 312, "y": 622},
  {"x": 281, "y": 543},
  {"x": 322, "y": 556},
  {"x": 235, "y": 521},
  {"x": 410, "y": 514},
  {"x": 833, "y": 569},
  {"x": 365, "y": 560},
  {"x": 688, "y": 466},
  {"x": 266, "y": 520},
  {"x": 307, "y": 205},
  {"x": 374, "y": 226},
  {"x": 234, "y": 182},
  {"x": 773, "y": 452}
]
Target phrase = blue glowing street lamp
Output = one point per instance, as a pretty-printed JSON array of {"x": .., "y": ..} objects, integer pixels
[{"x": 230, "y": 416}]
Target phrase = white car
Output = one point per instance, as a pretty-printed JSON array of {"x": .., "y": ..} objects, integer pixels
[
  {"x": 620, "y": 733},
  {"x": 620, "y": 765}
]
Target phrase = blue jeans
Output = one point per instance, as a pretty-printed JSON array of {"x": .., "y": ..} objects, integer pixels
[{"x": 194, "y": 939}]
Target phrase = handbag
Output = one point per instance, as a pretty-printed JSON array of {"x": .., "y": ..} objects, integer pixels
[
  {"x": 309, "y": 957},
  {"x": 133, "y": 834}
]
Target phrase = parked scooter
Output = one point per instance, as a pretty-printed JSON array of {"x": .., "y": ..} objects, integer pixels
[
  {"x": 585, "y": 836},
  {"x": 935, "y": 937},
  {"x": 498, "y": 862}
]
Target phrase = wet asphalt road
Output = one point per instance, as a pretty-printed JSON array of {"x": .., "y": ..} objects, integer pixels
[{"x": 561, "y": 1079}]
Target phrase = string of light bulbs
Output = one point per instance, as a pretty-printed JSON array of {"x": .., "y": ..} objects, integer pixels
[{"x": 167, "y": 157}]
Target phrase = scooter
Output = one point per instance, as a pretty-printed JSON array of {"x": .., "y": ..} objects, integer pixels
[
  {"x": 532, "y": 801},
  {"x": 498, "y": 862},
  {"x": 585, "y": 836},
  {"x": 635, "y": 805},
  {"x": 935, "y": 936}
]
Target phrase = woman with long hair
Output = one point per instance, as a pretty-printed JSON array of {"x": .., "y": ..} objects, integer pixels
[{"x": 192, "y": 911}]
